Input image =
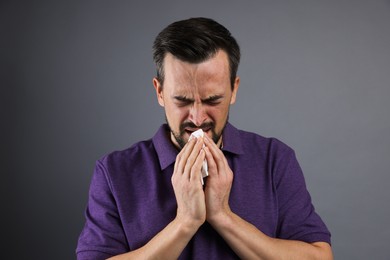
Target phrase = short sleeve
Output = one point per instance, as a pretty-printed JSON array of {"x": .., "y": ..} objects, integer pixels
[
  {"x": 103, "y": 235},
  {"x": 297, "y": 217}
]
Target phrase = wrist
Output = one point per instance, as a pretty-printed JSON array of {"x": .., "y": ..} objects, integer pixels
[
  {"x": 221, "y": 219},
  {"x": 187, "y": 226}
]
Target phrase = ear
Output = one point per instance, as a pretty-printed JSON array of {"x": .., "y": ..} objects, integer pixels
[
  {"x": 159, "y": 91},
  {"x": 235, "y": 89}
]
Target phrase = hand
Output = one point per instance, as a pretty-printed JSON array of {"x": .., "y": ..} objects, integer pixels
[
  {"x": 219, "y": 182},
  {"x": 186, "y": 181}
]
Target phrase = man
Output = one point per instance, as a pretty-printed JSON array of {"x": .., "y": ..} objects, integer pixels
[{"x": 149, "y": 201}]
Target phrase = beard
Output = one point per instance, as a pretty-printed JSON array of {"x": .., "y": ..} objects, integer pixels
[{"x": 179, "y": 136}]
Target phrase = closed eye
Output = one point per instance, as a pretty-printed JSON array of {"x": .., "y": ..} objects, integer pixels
[
  {"x": 213, "y": 100},
  {"x": 183, "y": 101}
]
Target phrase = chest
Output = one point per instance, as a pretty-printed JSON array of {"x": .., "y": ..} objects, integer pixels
[{"x": 147, "y": 205}]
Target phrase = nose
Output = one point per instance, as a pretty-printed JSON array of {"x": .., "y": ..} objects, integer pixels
[{"x": 197, "y": 114}]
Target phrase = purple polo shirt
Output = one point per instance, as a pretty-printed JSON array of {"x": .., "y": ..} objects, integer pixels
[{"x": 131, "y": 197}]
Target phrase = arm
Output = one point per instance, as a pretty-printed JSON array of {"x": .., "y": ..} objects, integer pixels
[
  {"x": 245, "y": 239},
  {"x": 250, "y": 243},
  {"x": 191, "y": 210},
  {"x": 168, "y": 244}
]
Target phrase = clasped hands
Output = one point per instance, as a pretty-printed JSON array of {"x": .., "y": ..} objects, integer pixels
[{"x": 195, "y": 205}]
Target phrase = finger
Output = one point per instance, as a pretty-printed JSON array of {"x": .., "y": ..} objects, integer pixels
[
  {"x": 217, "y": 154},
  {"x": 193, "y": 157},
  {"x": 213, "y": 146},
  {"x": 196, "y": 169},
  {"x": 181, "y": 158},
  {"x": 211, "y": 164}
]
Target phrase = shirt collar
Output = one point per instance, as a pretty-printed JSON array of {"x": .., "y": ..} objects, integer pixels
[
  {"x": 167, "y": 152},
  {"x": 231, "y": 140}
]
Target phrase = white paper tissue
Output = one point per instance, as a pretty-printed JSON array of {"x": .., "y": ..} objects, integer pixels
[{"x": 205, "y": 172}]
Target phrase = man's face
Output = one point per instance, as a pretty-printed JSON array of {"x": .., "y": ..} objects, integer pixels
[{"x": 196, "y": 96}]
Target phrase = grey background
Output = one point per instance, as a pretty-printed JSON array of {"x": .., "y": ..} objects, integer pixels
[{"x": 76, "y": 83}]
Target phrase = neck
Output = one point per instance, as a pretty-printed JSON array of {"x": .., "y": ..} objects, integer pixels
[
  {"x": 220, "y": 143},
  {"x": 175, "y": 143}
]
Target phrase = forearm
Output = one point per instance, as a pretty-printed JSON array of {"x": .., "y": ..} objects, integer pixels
[
  {"x": 191, "y": 210},
  {"x": 250, "y": 243},
  {"x": 167, "y": 244}
]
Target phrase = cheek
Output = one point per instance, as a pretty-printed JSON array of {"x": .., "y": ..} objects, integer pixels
[
  {"x": 219, "y": 113},
  {"x": 175, "y": 114}
]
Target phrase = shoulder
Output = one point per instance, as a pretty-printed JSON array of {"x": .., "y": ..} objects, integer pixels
[
  {"x": 141, "y": 148},
  {"x": 135, "y": 156},
  {"x": 253, "y": 142}
]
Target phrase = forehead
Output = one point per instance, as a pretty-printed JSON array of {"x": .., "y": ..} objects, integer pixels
[{"x": 182, "y": 74}]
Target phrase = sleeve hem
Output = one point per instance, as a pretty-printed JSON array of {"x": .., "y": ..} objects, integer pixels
[
  {"x": 92, "y": 254},
  {"x": 318, "y": 237}
]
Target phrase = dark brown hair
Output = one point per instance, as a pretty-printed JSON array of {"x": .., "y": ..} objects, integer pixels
[{"x": 195, "y": 40}]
